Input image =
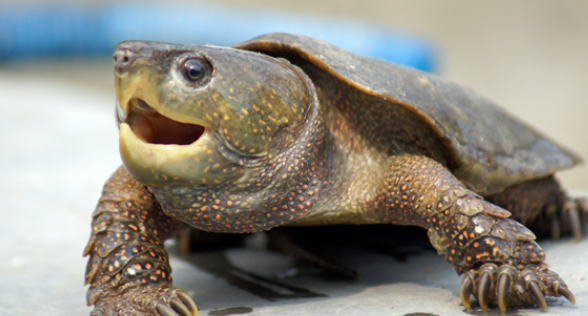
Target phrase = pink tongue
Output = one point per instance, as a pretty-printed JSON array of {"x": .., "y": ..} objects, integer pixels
[
  {"x": 152, "y": 127},
  {"x": 142, "y": 127}
]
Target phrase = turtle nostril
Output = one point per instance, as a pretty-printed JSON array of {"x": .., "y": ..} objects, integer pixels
[
  {"x": 127, "y": 52},
  {"x": 122, "y": 58}
]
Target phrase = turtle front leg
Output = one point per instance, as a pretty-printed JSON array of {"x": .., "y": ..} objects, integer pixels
[
  {"x": 502, "y": 263},
  {"x": 128, "y": 269}
]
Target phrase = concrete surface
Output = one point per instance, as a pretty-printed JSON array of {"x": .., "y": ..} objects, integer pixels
[{"x": 60, "y": 144}]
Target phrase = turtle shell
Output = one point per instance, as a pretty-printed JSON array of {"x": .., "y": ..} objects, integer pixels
[{"x": 485, "y": 147}]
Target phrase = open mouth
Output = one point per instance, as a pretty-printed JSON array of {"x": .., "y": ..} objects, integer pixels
[{"x": 154, "y": 128}]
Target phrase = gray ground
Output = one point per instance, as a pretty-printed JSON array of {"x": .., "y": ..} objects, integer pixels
[{"x": 60, "y": 144}]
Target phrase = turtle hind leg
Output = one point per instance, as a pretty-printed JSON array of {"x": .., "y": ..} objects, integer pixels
[
  {"x": 544, "y": 207},
  {"x": 573, "y": 216}
]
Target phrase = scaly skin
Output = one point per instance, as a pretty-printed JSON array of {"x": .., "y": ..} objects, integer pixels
[
  {"x": 231, "y": 141},
  {"x": 128, "y": 269},
  {"x": 476, "y": 236}
]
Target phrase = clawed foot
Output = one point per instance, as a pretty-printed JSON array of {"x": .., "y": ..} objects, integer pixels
[
  {"x": 152, "y": 301},
  {"x": 510, "y": 287},
  {"x": 570, "y": 219}
]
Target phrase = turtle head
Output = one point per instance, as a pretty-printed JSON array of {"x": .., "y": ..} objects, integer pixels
[{"x": 199, "y": 115}]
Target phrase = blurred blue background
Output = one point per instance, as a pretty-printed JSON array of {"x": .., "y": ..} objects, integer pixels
[
  {"x": 529, "y": 55},
  {"x": 60, "y": 141},
  {"x": 73, "y": 29}
]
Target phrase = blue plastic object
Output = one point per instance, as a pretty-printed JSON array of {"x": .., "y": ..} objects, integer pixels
[{"x": 67, "y": 30}]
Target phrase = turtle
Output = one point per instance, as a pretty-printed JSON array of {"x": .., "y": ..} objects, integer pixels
[{"x": 288, "y": 130}]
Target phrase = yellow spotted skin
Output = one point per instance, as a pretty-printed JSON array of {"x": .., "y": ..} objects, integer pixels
[
  {"x": 318, "y": 136},
  {"x": 467, "y": 230},
  {"x": 460, "y": 224},
  {"x": 284, "y": 187}
]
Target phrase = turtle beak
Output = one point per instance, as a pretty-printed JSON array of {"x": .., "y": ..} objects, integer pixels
[
  {"x": 137, "y": 84},
  {"x": 160, "y": 145},
  {"x": 120, "y": 115},
  {"x": 153, "y": 128},
  {"x": 158, "y": 150}
]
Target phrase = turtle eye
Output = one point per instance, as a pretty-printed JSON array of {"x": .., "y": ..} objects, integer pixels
[{"x": 195, "y": 70}]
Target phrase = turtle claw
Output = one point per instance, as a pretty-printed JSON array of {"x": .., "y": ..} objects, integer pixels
[
  {"x": 174, "y": 309},
  {"x": 487, "y": 272},
  {"x": 565, "y": 292},
  {"x": 148, "y": 301},
  {"x": 179, "y": 307},
  {"x": 164, "y": 310},
  {"x": 502, "y": 290},
  {"x": 574, "y": 222},
  {"x": 467, "y": 289},
  {"x": 536, "y": 290},
  {"x": 568, "y": 219},
  {"x": 177, "y": 304},
  {"x": 493, "y": 285},
  {"x": 571, "y": 219},
  {"x": 188, "y": 302},
  {"x": 483, "y": 289},
  {"x": 582, "y": 204}
]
